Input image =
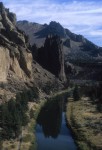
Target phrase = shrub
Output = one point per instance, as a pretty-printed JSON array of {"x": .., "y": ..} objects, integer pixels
[
  {"x": 48, "y": 87},
  {"x": 27, "y": 138},
  {"x": 99, "y": 107}
]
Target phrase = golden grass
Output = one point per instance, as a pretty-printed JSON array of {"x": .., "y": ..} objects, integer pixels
[
  {"x": 10, "y": 145},
  {"x": 86, "y": 123}
]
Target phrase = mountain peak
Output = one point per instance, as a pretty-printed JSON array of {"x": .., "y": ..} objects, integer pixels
[
  {"x": 1, "y": 5},
  {"x": 54, "y": 23},
  {"x": 56, "y": 28},
  {"x": 23, "y": 21}
]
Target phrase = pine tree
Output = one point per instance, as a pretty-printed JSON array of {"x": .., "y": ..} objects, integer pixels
[{"x": 76, "y": 95}]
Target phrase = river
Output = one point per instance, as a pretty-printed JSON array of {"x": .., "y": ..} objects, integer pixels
[{"x": 52, "y": 132}]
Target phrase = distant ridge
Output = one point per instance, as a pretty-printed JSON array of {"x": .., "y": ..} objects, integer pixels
[{"x": 77, "y": 49}]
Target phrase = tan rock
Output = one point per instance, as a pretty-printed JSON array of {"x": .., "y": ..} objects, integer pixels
[
  {"x": 4, "y": 63},
  {"x": 14, "y": 66}
]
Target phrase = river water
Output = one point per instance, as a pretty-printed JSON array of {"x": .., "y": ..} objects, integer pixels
[{"x": 52, "y": 132}]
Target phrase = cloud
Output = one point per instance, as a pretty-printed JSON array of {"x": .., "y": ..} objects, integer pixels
[{"x": 80, "y": 16}]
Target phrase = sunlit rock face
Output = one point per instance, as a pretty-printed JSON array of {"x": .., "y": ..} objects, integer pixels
[
  {"x": 14, "y": 54},
  {"x": 4, "y": 63}
]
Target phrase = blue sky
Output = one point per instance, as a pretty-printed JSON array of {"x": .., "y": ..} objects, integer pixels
[{"x": 80, "y": 16}]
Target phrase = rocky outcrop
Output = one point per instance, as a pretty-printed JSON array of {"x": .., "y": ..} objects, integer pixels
[
  {"x": 15, "y": 56},
  {"x": 4, "y": 63},
  {"x": 18, "y": 69},
  {"x": 51, "y": 56}
]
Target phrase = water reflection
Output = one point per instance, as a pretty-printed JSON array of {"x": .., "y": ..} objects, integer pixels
[
  {"x": 51, "y": 123},
  {"x": 50, "y": 117}
]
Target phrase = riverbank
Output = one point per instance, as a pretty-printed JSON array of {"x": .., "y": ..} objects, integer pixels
[
  {"x": 86, "y": 123},
  {"x": 51, "y": 130},
  {"x": 30, "y": 143},
  {"x": 27, "y": 139}
]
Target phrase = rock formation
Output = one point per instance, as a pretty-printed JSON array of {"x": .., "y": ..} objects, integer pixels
[
  {"x": 18, "y": 69},
  {"x": 78, "y": 51},
  {"x": 15, "y": 58},
  {"x": 51, "y": 56}
]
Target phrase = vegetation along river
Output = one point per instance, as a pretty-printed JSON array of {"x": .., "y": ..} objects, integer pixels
[{"x": 52, "y": 132}]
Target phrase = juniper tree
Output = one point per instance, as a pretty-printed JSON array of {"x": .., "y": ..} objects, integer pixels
[{"x": 76, "y": 94}]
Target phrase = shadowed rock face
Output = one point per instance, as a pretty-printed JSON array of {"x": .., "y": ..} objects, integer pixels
[
  {"x": 82, "y": 54},
  {"x": 51, "y": 56}
]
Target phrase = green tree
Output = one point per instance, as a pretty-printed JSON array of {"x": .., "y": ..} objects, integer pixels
[
  {"x": 31, "y": 113},
  {"x": 99, "y": 107},
  {"x": 76, "y": 94}
]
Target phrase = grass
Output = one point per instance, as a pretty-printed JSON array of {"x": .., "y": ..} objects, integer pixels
[
  {"x": 85, "y": 123},
  {"x": 10, "y": 145},
  {"x": 29, "y": 139}
]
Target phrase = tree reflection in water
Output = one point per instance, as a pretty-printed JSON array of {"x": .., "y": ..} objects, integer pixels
[{"x": 50, "y": 117}]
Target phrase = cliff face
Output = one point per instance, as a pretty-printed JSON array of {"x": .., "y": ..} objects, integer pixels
[
  {"x": 51, "y": 56},
  {"x": 15, "y": 58},
  {"x": 18, "y": 69},
  {"x": 4, "y": 64}
]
